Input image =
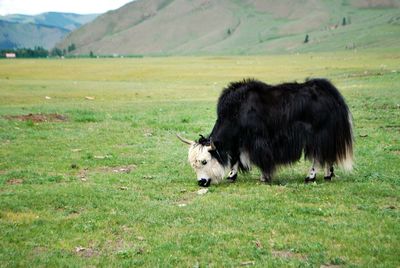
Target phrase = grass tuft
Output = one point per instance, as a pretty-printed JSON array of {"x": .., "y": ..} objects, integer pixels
[{"x": 86, "y": 116}]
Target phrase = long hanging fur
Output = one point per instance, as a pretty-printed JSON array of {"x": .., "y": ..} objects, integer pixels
[{"x": 275, "y": 124}]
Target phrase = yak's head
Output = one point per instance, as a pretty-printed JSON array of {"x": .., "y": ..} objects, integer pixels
[{"x": 204, "y": 159}]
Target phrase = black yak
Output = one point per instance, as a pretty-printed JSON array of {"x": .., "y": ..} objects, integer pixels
[{"x": 272, "y": 125}]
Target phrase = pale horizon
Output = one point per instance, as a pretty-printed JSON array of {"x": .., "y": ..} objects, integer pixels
[{"x": 35, "y": 7}]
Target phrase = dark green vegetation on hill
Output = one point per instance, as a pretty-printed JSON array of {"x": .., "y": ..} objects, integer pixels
[
  {"x": 91, "y": 173},
  {"x": 181, "y": 27},
  {"x": 44, "y": 30}
]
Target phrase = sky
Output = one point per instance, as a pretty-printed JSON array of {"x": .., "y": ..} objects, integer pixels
[{"x": 33, "y": 7}]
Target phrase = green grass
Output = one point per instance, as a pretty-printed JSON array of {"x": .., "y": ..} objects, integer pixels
[{"x": 60, "y": 194}]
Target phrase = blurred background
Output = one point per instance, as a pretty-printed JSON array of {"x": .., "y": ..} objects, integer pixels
[{"x": 198, "y": 27}]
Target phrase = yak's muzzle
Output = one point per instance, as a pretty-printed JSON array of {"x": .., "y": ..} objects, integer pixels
[{"x": 204, "y": 182}]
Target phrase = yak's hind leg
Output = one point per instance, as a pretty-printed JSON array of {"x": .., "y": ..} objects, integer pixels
[
  {"x": 312, "y": 175},
  {"x": 232, "y": 176},
  {"x": 329, "y": 173}
]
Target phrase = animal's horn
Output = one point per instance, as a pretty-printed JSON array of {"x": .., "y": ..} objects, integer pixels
[
  {"x": 212, "y": 145},
  {"x": 184, "y": 140}
]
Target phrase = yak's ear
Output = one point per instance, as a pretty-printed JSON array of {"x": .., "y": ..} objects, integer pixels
[{"x": 189, "y": 142}]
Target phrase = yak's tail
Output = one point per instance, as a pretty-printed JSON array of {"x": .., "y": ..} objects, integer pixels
[
  {"x": 340, "y": 146},
  {"x": 346, "y": 160}
]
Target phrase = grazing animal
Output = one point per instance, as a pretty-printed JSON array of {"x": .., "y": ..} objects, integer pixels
[{"x": 272, "y": 125}]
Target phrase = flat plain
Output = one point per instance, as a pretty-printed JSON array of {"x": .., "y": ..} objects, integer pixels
[{"x": 91, "y": 173}]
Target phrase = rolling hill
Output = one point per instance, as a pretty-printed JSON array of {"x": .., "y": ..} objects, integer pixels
[
  {"x": 45, "y": 30},
  {"x": 181, "y": 27},
  {"x": 29, "y": 35}
]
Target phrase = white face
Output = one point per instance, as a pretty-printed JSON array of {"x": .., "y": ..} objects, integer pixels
[{"x": 207, "y": 168}]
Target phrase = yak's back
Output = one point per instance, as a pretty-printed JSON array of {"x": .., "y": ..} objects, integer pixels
[{"x": 235, "y": 94}]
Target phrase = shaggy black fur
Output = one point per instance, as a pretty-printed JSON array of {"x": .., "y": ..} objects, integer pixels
[{"x": 275, "y": 124}]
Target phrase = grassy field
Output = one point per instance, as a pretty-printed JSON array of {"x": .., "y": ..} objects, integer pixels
[{"x": 106, "y": 183}]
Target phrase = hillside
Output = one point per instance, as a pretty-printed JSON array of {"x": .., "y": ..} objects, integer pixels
[
  {"x": 43, "y": 30},
  {"x": 29, "y": 35},
  {"x": 179, "y": 27},
  {"x": 69, "y": 21}
]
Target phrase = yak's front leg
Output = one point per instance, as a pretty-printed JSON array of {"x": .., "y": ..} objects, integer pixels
[{"x": 232, "y": 176}]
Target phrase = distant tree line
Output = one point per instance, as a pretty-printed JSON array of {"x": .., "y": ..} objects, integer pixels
[
  {"x": 40, "y": 52},
  {"x": 36, "y": 52}
]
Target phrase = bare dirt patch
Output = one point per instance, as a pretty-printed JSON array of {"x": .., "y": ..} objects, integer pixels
[
  {"x": 285, "y": 254},
  {"x": 396, "y": 152},
  {"x": 120, "y": 169},
  {"x": 83, "y": 174},
  {"x": 15, "y": 181},
  {"x": 39, "y": 250},
  {"x": 38, "y": 118},
  {"x": 86, "y": 252}
]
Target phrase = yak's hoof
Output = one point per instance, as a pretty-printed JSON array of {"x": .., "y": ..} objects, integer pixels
[
  {"x": 309, "y": 180},
  {"x": 233, "y": 178},
  {"x": 266, "y": 180}
]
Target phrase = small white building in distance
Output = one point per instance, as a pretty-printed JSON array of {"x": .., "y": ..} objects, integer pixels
[{"x": 11, "y": 55}]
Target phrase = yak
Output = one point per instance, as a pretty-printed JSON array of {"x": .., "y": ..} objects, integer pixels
[{"x": 273, "y": 125}]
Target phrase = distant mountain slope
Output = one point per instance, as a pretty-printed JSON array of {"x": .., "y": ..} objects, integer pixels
[
  {"x": 239, "y": 27},
  {"x": 69, "y": 21},
  {"x": 44, "y": 30},
  {"x": 20, "y": 35}
]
